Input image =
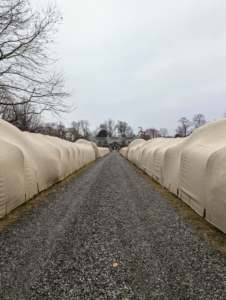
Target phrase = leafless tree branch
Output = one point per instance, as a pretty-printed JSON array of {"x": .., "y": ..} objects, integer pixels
[{"x": 27, "y": 73}]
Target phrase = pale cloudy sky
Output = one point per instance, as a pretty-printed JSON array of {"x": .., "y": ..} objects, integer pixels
[{"x": 146, "y": 62}]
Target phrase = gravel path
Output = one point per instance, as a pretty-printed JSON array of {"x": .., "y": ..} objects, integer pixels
[{"x": 65, "y": 248}]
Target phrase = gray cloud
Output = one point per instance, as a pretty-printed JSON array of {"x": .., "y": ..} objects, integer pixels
[{"x": 146, "y": 62}]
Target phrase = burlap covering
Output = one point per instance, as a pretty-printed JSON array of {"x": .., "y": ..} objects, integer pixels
[
  {"x": 194, "y": 168},
  {"x": 31, "y": 162}
]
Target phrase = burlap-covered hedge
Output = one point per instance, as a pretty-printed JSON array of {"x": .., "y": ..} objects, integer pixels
[
  {"x": 194, "y": 168},
  {"x": 31, "y": 162}
]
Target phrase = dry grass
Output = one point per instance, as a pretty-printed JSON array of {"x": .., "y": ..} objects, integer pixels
[
  {"x": 204, "y": 230},
  {"x": 24, "y": 208}
]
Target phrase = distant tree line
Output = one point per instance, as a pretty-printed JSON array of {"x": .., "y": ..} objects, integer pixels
[
  {"x": 109, "y": 128},
  {"x": 185, "y": 128},
  {"x": 77, "y": 129}
]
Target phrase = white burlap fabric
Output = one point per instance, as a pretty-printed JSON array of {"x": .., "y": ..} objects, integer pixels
[
  {"x": 31, "y": 162},
  {"x": 194, "y": 168}
]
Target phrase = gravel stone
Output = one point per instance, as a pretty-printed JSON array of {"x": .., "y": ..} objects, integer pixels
[{"x": 66, "y": 247}]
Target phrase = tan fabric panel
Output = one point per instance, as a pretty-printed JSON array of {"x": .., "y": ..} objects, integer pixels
[
  {"x": 47, "y": 161},
  {"x": 71, "y": 166},
  {"x": 64, "y": 153},
  {"x": 185, "y": 163},
  {"x": 216, "y": 189},
  {"x": 97, "y": 153},
  {"x": 201, "y": 147},
  {"x": 74, "y": 154},
  {"x": 100, "y": 151},
  {"x": 103, "y": 151},
  {"x": 194, "y": 168},
  {"x": 192, "y": 181},
  {"x": 123, "y": 151},
  {"x": 32, "y": 162},
  {"x": 159, "y": 158},
  {"x": 88, "y": 153},
  {"x": 145, "y": 152},
  {"x": 14, "y": 136},
  {"x": 133, "y": 147},
  {"x": 12, "y": 177},
  {"x": 171, "y": 168}
]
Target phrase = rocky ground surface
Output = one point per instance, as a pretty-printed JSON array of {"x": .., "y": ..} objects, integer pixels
[{"x": 66, "y": 247}]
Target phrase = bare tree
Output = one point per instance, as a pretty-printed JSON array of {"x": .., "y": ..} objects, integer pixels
[
  {"x": 110, "y": 127},
  {"x": 129, "y": 132},
  {"x": 94, "y": 133},
  {"x": 47, "y": 129},
  {"x": 103, "y": 126},
  {"x": 224, "y": 115},
  {"x": 85, "y": 131},
  {"x": 149, "y": 133},
  {"x": 179, "y": 131},
  {"x": 121, "y": 127},
  {"x": 18, "y": 116},
  {"x": 61, "y": 130},
  {"x": 153, "y": 133},
  {"x": 27, "y": 73},
  {"x": 163, "y": 132},
  {"x": 75, "y": 130},
  {"x": 198, "y": 120},
  {"x": 183, "y": 128},
  {"x": 143, "y": 134}
]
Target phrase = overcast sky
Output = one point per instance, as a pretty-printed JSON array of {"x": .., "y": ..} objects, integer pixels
[{"x": 146, "y": 62}]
